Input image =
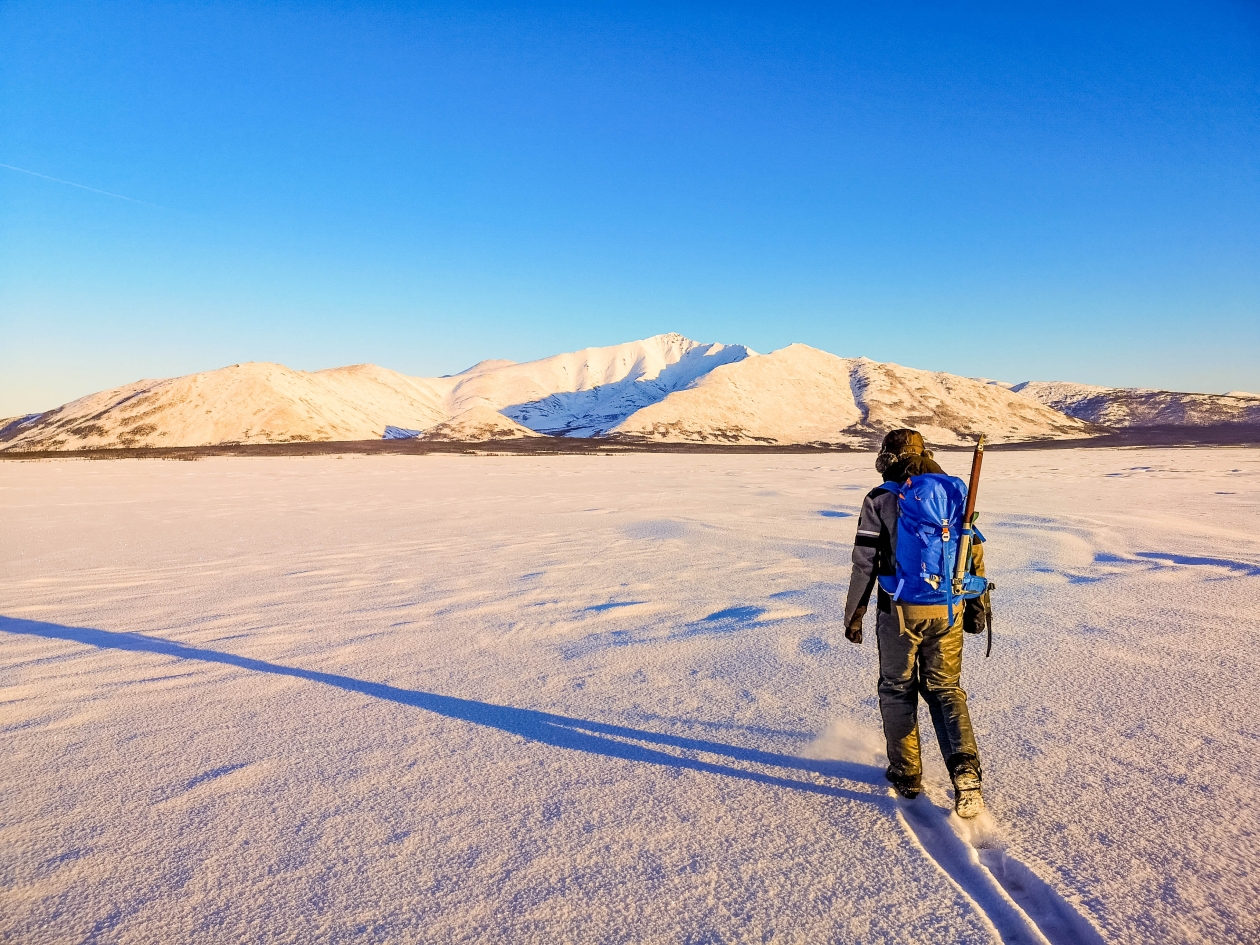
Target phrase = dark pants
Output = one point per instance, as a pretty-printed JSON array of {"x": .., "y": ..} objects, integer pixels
[{"x": 922, "y": 656}]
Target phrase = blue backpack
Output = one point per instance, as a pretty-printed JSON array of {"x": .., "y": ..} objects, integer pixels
[{"x": 929, "y": 533}]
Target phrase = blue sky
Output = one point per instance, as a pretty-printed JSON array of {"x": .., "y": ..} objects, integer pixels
[{"x": 1007, "y": 190}]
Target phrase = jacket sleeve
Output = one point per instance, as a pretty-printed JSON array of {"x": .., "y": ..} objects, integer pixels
[{"x": 865, "y": 564}]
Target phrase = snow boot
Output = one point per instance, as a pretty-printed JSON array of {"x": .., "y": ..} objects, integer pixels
[
  {"x": 907, "y": 785},
  {"x": 968, "y": 799}
]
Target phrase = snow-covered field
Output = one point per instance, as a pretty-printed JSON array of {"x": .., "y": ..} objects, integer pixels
[{"x": 607, "y": 699}]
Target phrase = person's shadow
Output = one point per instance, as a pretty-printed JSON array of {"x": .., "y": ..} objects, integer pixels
[{"x": 596, "y": 738}]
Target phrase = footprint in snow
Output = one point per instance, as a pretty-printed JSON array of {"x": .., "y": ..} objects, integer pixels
[{"x": 1022, "y": 907}]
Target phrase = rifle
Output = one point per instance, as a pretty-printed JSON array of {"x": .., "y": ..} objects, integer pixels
[{"x": 970, "y": 515}]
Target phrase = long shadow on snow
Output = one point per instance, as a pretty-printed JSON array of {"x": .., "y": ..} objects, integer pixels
[
  {"x": 1242, "y": 567},
  {"x": 1045, "y": 913},
  {"x": 1163, "y": 559},
  {"x": 560, "y": 731}
]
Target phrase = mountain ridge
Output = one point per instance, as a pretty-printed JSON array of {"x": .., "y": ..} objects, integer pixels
[
  {"x": 1125, "y": 407},
  {"x": 801, "y": 394},
  {"x": 665, "y": 388}
]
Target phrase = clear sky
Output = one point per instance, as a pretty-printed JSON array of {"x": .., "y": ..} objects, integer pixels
[{"x": 1006, "y": 190}]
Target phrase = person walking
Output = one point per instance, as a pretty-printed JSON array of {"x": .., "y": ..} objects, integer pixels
[{"x": 920, "y": 648}]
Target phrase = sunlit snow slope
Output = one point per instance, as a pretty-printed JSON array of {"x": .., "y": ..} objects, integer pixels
[
  {"x": 666, "y": 387},
  {"x": 581, "y": 393},
  {"x": 585, "y": 393},
  {"x": 244, "y": 403},
  {"x": 802, "y": 395}
]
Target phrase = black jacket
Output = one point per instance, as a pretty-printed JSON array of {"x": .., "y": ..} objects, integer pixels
[{"x": 874, "y": 553}]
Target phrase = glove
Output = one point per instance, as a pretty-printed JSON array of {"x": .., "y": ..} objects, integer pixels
[
  {"x": 977, "y": 614},
  {"x": 854, "y": 632}
]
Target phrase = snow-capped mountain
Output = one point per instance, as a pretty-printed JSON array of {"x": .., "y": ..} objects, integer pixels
[
  {"x": 666, "y": 387},
  {"x": 586, "y": 393},
  {"x": 1140, "y": 407},
  {"x": 244, "y": 403},
  {"x": 802, "y": 395},
  {"x": 581, "y": 393}
]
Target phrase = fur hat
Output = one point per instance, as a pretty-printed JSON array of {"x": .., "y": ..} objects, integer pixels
[{"x": 898, "y": 444}]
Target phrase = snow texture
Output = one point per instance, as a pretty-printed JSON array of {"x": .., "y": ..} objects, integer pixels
[
  {"x": 400, "y": 433},
  {"x": 607, "y": 699},
  {"x": 11, "y": 425}
]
